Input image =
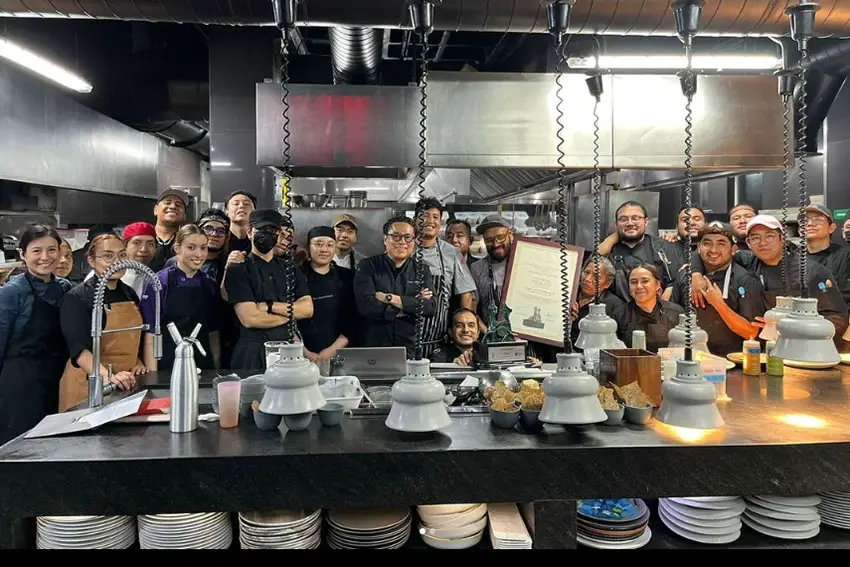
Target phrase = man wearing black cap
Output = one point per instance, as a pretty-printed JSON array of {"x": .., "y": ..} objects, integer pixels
[
  {"x": 170, "y": 213},
  {"x": 734, "y": 297},
  {"x": 259, "y": 291},
  {"x": 489, "y": 273}
]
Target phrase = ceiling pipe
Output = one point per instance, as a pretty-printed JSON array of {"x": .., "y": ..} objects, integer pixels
[
  {"x": 356, "y": 54},
  {"x": 614, "y": 17}
]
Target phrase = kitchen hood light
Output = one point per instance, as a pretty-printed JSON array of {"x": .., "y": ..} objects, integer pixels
[
  {"x": 220, "y": 163},
  {"x": 42, "y": 66},
  {"x": 720, "y": 62}
]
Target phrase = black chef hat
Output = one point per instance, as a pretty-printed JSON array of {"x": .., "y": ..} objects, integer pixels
[
  {"x": 262, "y": 218},
  {"x": 320, "y": 231}
]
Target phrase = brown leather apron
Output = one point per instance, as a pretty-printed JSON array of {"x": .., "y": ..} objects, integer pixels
[{"x": 121, "y": 350}]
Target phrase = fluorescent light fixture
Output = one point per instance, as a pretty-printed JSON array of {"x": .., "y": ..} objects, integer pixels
[
  {"x": 720, "y": 62},
  {"x": 366, "y": 189},
  {"x": 220, "y": 163},
  {"x": 42, "y": 66}
]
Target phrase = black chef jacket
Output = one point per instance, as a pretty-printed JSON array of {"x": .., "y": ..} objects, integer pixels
[
  {"x": 821, "y": 285},
  {"x": 448, "y": 351},
  {"x": 259, "y": 281},
  {"x": 650, "y": 250},
  {"x": 656, "y": 325},
  {"x": 385, "y": 325},
  {"x": 614, "y": 308},
  {"x": 334, "y": 310},
  {"x": 836, "y": 259},
  {"x": 240, "y": 244},
  {"x": 75, "y": 314},
  {"x": 745, "y": 296},
  {"x": 164, "y": 251}
]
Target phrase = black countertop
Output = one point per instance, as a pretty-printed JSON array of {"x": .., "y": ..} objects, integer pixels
[{"x": 782, "y": 436}]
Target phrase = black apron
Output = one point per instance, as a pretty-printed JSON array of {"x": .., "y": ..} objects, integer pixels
[
  {"x": 29, "y": 379},
  {"x": 435, "y": 329},
  {"x": 721, "y": 339},
  {"x": 186, "y": 307},
  {"x": 656, "y": 331}
]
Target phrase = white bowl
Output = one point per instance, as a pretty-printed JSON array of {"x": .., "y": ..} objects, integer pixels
[
  {"x": 455, "y": 520},
  {"x": 441, "y": 509},
  {"x": 462, "y": 543},
  {"x": 454, "y": 533}
]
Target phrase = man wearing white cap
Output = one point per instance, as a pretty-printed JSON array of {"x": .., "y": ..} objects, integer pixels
[{"x": 765, "y": 238}]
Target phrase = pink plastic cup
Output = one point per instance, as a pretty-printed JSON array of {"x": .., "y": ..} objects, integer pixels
[{"x": 228, "y": 403}]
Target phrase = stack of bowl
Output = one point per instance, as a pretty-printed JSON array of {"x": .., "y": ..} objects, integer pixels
[
  {"x": 452, "y": 526},
  {"x": 252, "y": 389}
]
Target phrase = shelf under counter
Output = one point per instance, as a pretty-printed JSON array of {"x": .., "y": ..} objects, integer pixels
[{"x": 783, "y": 436}]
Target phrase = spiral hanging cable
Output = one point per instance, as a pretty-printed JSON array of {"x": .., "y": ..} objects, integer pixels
[
  {"x": 787, "y": 134},
  {"x": 802, "y": 221},
  {"x": 286, "y": 176},
  {"x": 597, "y": 205},
  {"x": 419, "y": 262},
  {"x": 563, "y": 218},
  {"x": 689, "y": 87}
]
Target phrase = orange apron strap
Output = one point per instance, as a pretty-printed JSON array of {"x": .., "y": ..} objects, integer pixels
[{"x": 121, "y": 350}]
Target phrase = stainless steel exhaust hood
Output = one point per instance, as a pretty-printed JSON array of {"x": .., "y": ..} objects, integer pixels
[{"x": 502, "y": 120}]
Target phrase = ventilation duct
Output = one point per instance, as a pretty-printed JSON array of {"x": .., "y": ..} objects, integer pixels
[
  {"x": 827, "y": 67},
  {"x": 356, "y": 54},
  {"x": 615, "y": 17}
]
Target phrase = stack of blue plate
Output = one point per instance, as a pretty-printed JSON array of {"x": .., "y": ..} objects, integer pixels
[{"x": 619, "y": 523}]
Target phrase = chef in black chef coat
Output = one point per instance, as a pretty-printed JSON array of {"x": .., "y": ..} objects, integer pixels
[
  {"x": 834, "y": 257},
  {"x": 614, "y": 306},
  {"x": 258, "y": 290},
  {"x": 734, "y": 297},
  {"x": 647, "y": 311},
  {"x": 331, "y": 288},
  {"x": 387, "y": 291}
]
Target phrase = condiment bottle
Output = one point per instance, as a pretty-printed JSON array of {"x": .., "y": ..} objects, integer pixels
[
  {"x": 775, "y": 365},
  {"x": 752, "y": 358},
  {"x": 639, "y": 340}
]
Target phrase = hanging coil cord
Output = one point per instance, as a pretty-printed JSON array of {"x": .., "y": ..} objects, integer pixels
[
  {"x": 284, "y": 14},
  {"x": 594, "y": 84},
  {"x": 421, "y": 16},
  {"x": 802, "y": 220},
  {"x": 786, "y": 91}
]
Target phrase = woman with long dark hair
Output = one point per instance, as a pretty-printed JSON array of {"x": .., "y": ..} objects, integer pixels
[{"x": 32, "y": 348}]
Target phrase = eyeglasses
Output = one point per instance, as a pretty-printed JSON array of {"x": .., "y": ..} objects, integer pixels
[
  {"x": 110, "y": 257},
  {"x": 757, "y": 239},
  {"x": 634, "y": 219},
  {"x": 399, "y": 236},
  {"x": 212, "y": 231}
]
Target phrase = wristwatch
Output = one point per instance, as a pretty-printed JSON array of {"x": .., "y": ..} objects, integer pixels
[
  {"x": 388, "y": 298},
  {"x": 270, "y": 303}
]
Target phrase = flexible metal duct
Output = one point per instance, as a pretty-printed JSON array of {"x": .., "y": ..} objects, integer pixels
[
  {"x": 356, "y": 54},
  {"x": 622, "y": 17},
  {"x": 827, "y": 66}
]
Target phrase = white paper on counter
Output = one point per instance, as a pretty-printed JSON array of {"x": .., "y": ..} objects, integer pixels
[
  {"x": 470, "y": 382},
  {"x": 86, "y": 419}
]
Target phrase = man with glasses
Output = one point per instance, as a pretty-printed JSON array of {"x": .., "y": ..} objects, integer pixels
[
  {"x": 833, "y": 257},
  {"x": 387, "y": 290},
  {"x": 140, "y": 241},
  {"x": 630, "y": 247},
  {"x": 765, "y": 238},
  {"x": 259, "y": 291},
  {"x": 489, "y": 273},
  {"x": 734, "y": 297}
]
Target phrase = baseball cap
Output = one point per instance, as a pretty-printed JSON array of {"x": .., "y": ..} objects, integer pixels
[
  {"x": 339, "y": 219},
  {"x": 768, "y": 221},
  {"x": 718, "y": 227},
  {"x": 492, "y": 221},
  {"x": 821, "y": 209},
  {"x": 266, "y": 217},
  {"x": 138, "y": 229},
  {"x": 173, "y": 193}
]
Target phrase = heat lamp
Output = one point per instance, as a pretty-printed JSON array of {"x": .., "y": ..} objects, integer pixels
[
  {"x": 598, "y": 330},
  {"x": 677, "y": 336},
  {"x": 773, "y": 316},
  {"x": 292, "y": 384},
  {"x": 806, "y": 336},
  {"x": 571, "y": 395},
  {"x": 418, "y": 401}
]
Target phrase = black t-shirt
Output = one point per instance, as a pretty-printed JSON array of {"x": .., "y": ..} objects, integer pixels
[
  {"x": 164, "y": 251},
  {"x": 745, "y": 297},
  {"x": 75, "y": 313},
  {"x": 240, "y": 244},
  {"x": 334, "y": 309},
  {"x": 836, "y": 259},
  {"x": 258, "y": 281}
]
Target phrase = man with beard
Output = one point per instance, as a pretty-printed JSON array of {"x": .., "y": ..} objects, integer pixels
[
  {"x": 452, "y": 280},
  {"x": 630, "y": 247},
  {"x": 680, "y": 240},
  {"x": 345, "y": 256},
  {"x": 258, "y": 288},
  {"x": 460, "y": 346},
  {"x": 388, "y": 292},
  {"x": 170, "y": 212}
]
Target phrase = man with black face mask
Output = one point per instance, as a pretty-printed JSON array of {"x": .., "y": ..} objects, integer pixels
[{"x": 258, "y": 290}]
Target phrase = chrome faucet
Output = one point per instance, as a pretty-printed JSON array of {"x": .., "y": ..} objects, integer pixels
[{"x": 97, "y": 332}]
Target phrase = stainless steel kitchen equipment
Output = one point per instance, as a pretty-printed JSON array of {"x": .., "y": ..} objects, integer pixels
[
  {"x": 97, "y": 332},
  {"x": 183, "y": 415}
]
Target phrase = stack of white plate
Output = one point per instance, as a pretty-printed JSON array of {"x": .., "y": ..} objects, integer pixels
[
  {"x": 834, "y": 509},
  {"x": 207, "y": 530},
  {"x": 784, "y": 517},
  {"x": 713, "y": 520},
  {"x": 368, "y": 528},
  {"x": 281, "y": 529},
  {"x": 85, "y": 532},
  {"x": 452, "y": 526}
]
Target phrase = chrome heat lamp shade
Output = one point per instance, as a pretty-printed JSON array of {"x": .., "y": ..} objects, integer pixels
[
  {"x": 598, "y": 330},
  {"x": 571, "y": 395},
  {"x": 806, "y": 336},
  {"x": 292, "y": 384},
  {"x": 418, "y": 401},
  {"x": 772, "y": 317},
  {"x": 688, "y": 399}
]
